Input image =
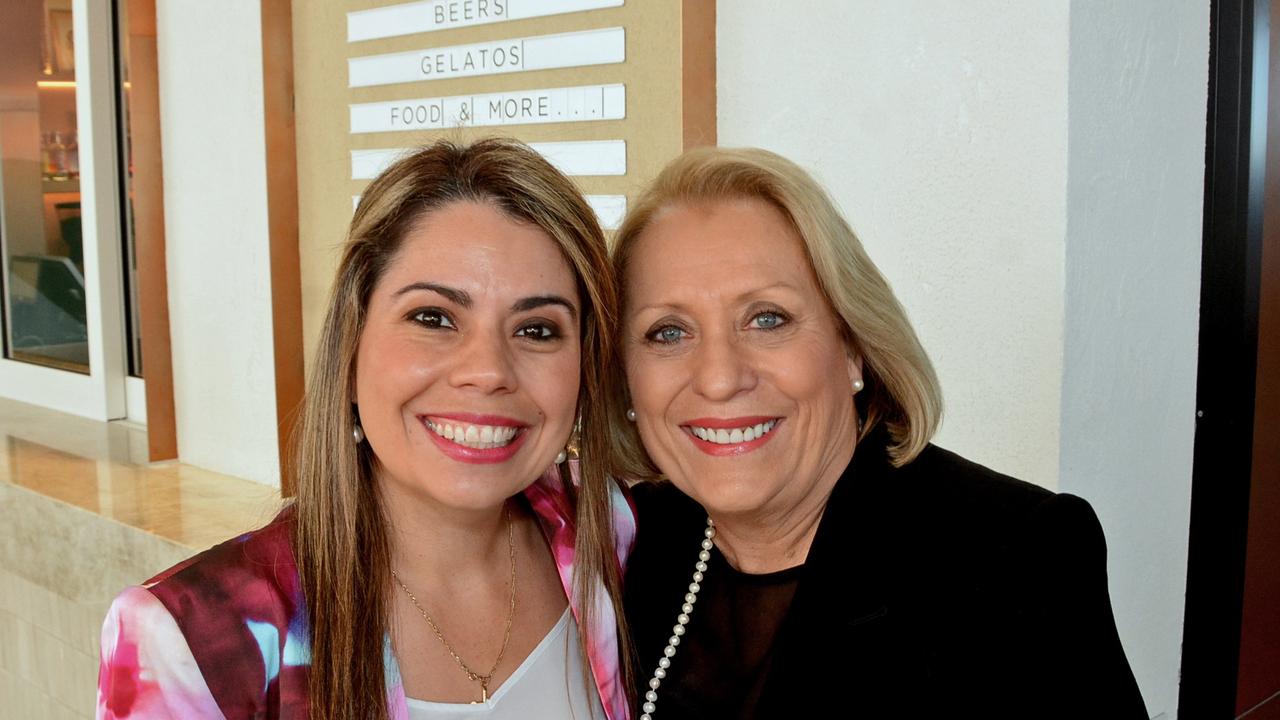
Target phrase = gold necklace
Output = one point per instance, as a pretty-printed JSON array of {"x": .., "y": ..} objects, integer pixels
[{"x": 482, "y": 678}]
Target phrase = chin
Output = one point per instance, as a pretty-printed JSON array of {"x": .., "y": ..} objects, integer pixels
[
  {"x": 469, "y": 491},
  {"x": 727, "y": 495},
  {"x": 474, "y": 498}
]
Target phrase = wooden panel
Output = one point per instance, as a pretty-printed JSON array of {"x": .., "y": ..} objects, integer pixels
[
  {"x": 282, "y": 220},
  {"x": 1258, "y": 682},
  {"x": 698, "y": 72},
  {"x": 148, "y": 229}
]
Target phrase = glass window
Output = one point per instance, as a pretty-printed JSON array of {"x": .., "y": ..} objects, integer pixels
[{"x": 41, "y": 246}]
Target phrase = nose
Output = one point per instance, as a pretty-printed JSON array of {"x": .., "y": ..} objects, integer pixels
[
  {"x": 483, "y": 362},
  {"x": 721, "y": 367}
]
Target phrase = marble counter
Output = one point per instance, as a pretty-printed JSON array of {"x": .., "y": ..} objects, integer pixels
[{"x": 82, "y": 514}]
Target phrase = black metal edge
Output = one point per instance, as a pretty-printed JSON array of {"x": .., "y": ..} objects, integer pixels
[{"x": 1235, "y": 152}]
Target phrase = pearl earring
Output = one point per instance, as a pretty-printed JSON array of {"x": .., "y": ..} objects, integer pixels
[
  {"x": 857, "y": 386},
  {"x": 358, "y": 434},
  {"x": 631, "y": 414},
  {"x": 561, "y": 457}
]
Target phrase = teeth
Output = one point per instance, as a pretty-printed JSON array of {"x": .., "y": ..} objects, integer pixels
[
  {"x": 480, "y": 437},
  {"x": 736, "y": 435}
]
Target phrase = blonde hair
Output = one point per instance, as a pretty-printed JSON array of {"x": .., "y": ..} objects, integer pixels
[
  {"x": 340, "y": 534},
  {"x": 901, "y": 388}
]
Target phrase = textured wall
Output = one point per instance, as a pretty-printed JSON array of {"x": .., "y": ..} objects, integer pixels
[
  {"x": 941, "y": 130},
  {"x": 211, "y": 115},
  {"x": 1030, "y": 178},
  {"x": 1138, "y": 92}
]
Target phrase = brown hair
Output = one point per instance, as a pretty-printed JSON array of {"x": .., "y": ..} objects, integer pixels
[
  {"x": 340, "y": 536},
  {"x": 901, "y": 387}
]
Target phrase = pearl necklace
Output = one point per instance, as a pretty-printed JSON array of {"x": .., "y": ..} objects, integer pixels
[{"x": 668, "y": 652}]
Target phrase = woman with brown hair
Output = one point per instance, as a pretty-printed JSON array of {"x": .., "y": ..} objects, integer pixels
[
  {"x": 804, "y": 550},
  {"x": 443, "y": 540}
]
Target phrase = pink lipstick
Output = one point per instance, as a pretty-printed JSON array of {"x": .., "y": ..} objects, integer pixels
[
  {"x": 473, "y": 438},
  {"x": 730, "y": 436}
]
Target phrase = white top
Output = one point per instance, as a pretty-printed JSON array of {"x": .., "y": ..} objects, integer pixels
[{"x": 549, "y": 684}]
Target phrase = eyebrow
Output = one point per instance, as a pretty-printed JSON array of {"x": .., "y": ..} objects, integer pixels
[
  {"x": 741, "y": 297},
  {"x": 537, "y": 301},
  {"x": 460, "y": 297},
  {"x": 784, "y": 285},
  {"x": 463, "y": 298}
]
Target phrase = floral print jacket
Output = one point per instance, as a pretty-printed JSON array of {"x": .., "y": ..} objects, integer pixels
[{"x": 224, "y": 634}]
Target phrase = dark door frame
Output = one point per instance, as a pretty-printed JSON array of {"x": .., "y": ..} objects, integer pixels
[{"x": 1231, "y": 258}]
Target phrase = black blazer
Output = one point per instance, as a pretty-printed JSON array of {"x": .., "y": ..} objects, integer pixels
[{"x": 931, "y": 589}]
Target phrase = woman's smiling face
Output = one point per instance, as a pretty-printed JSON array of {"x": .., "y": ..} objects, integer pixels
[
  {"x": 738, "y": 372},
  {"x": 468, "y": 363}
]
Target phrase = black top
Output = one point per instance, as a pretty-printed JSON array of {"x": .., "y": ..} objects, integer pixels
[
  {"x": 930, "y": 589},
  {"x": 726, "y": 653}
]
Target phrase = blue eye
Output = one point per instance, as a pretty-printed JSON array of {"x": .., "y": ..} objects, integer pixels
[
  {"x": 768, "y": 320},
  {"x": 432, "y": 319},
  {"x": 666, "y": 335}
]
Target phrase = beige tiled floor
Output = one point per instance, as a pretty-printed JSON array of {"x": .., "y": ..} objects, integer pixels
[{"x": 82, "y": 514}]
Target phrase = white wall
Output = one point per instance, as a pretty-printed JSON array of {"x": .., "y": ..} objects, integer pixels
[
  {"x": 211, "y": 116},
  {"x": 941, "y": 130},
  {"x": 1138, "y": 93},
  {"x": 1030, "y": 177}
]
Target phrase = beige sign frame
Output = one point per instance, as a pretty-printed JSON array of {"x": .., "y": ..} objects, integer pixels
[{"x": 669, "y": 75}]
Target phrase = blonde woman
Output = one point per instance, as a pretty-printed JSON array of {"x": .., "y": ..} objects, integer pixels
[
  {"x": 813, "y": 555},
  {"x": 438, "y": 561}
]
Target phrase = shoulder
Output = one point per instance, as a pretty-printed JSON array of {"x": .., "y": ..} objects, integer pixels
[
  {"x": 962, "y": 515},
  {"x": 233, "y": 614},
  {"x": 967, "y": 500},
  {"x": 943, "y": 509},
  {"x": 252, "y": 576},
  {"x": 1025, "y": 566},
  {"x": 949, "y": 478},
  {"x": 146, "y": 667}
]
